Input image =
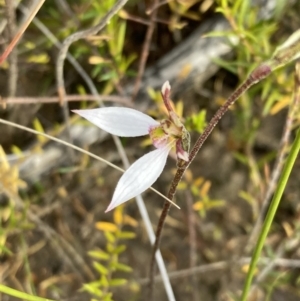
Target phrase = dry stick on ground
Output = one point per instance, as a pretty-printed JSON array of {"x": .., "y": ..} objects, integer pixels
[
  {"x": 44, "y": 99},
  {"x": 127, "y": 16},
  {"x": 154, "y": 7},
  {"x": 13, "y": 58},
  {"x": 63, "y": 53},
  {"x": 191, "y": 220},
  {"x": 20, "y": 32},
  {"x": 257, "y": 75},
  {"x": 222, "y": 265},
  {"x": 145, "y": 52},
  {"x": 294, "y": 106}
]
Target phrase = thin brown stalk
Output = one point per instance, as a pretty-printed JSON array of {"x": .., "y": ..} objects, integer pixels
[
  {"x": 279, "y": 161},
  {"x": 68, "y": 98},
  {"x": 257, "y": 75},
  {"x": 191, "y": 220},
  {"x": 127, "y": 16},
  {"x": 145, "y": 51},
  {"x": 18, "y": 35},
  {"x": 155, "y": 7},
  {"x": 13, "y": 58},
  {"x": 222, "y": 265}
]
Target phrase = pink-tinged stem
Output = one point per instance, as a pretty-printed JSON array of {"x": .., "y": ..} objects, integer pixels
[
  {"x": 18, "y": 35},
  {"x": 257, "y": 75}
]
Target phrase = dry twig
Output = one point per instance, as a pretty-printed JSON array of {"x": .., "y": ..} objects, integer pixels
[
  {"x": 68, "y": 98},
  {"x": 145, "y": 51},
  {"x": 18, "y": 35}
]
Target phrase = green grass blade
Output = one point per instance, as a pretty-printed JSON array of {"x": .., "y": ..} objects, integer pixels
[
  {"x": 271, "y": 213},
  {"x": 21, "y": 295}
]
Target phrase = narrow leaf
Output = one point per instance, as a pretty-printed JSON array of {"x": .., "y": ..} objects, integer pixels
[
  {"x": 106, "y": 227},
  {"x": 117, "y": 282},
  {"x": 100, "y": 268}
]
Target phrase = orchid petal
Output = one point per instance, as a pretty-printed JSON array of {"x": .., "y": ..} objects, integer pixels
[
  {"x": 139, "y": 176},
  {"x": 123, "y": 122}
]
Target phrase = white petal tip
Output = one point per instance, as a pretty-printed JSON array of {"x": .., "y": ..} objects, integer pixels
[
  {"x": 108, "y": 209},
  {"x": 166, "y": 88}
]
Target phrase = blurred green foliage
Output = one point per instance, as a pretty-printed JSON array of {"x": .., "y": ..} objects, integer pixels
[{"x": 106, "y": 261}]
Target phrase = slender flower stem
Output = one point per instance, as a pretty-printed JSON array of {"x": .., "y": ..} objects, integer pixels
[
  {"x": 271, "y": 213},
  {"x": 257, "y": 75}
]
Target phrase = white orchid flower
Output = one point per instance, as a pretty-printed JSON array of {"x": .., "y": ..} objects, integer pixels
[{"x": 126, "y": 122}]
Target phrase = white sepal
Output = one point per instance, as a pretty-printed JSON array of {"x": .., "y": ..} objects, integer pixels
[
  {"x": 123, "y": 122},
  {"x": 139, "y": 176}
]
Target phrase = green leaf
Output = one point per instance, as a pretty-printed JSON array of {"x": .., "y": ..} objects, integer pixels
[
  {"x": 121, "y": 36},
  {"x": 243, "y": 12},
  {"x": 109, "y": 237},
  {"x": 126, "y": 235},
  {"x": 100, "y": 268},
  {"x": 38, "y": 127},
  {"x": 92, "y": 289},
  {"x": 108, "y": 297},
  {"x": 21, "y": 295},
  {"x": 119, "y": 249},
  {"x": 197, "y": 121},
  {"x": 247, "y": 197},
  {"x": 117, "y": 282},
  {"x": 99, "y": 254},
  {"x": 104, "y": 281},
  {"x": 271, "y": 100},
  {"x": 129, "y": 60},
  {"x": 96, "y": 70},
  {"x": 110, "y": 248},
  {"x": 152, "y": 93},
  {"x": 241, "y": 158},
  {"x": 122, "y": 267},
  {"x": 225, "y": 64},
  {"x": 108, "y": 76}
]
